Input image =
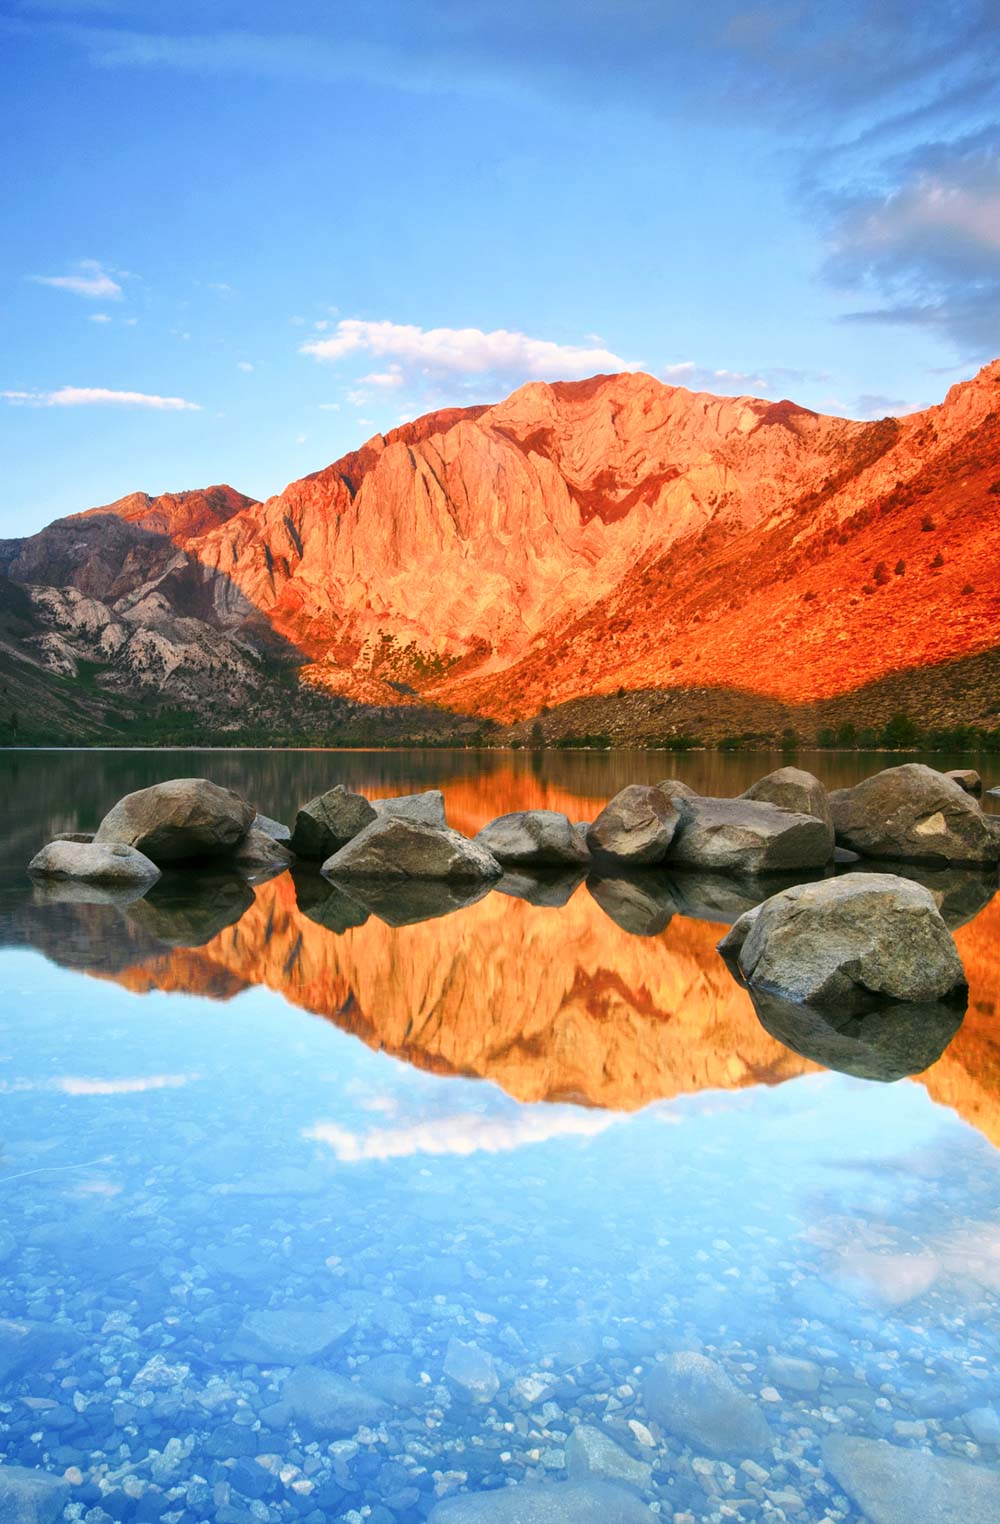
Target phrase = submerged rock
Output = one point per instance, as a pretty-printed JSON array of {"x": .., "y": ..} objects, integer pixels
[
  {"x": 592, "y": 1452},
  {"x": 747, "y": 836},
  {"x": 891, "y": 1485},
  {"x": 791, "y": 788},
  {"x": 533, "y": 838},
  {"x": 26, "y": 1346},
  {"x": 635, "y": 827},
  {"x": 183, "y": 820},
  {"x": 841, "y": 941},
  {"x": 471, "y": 1369},
  {"x": 111, "y": 865},
  {"x": 329, "y": 1403},
  {"x": 328, "y": 822},
  {"x": 913, "y": 814},
  {"x": 426, "y": 808},
  {"x": 259, "y": 849},
  {"x": 694, "y": 1398},
  {"x": 393, "y": 847},
  {"x": 31, "y": 1497},
  {"x": 290, "y": 1335},
  {"x": 640, "y": 903},
  {"x": 595, "y": 1502}
]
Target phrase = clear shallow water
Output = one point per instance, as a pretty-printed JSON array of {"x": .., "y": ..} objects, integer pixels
[{"x": 236, "y": 1141}]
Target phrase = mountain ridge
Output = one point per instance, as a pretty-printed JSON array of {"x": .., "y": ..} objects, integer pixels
[{"x": 571, "y": 541}]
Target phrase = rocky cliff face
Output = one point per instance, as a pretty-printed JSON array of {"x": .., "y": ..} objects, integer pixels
[{"x": 571, "y": 540}]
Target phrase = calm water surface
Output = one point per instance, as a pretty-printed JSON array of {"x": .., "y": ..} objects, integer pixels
[{"x": 324, "y": 1212}]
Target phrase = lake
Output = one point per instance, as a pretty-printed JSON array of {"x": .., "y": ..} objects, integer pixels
[{"x": 515, "y": 1213}]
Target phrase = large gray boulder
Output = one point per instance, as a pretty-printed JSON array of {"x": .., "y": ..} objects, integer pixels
[
  {"x": 394, "y": 847},
  {"x": 583, "y": 1502},
  {"x": 259, "y": 850},
  {"x": 276, "y": 829},
  {"x": 791, "y": 788},
  {"x": 747, "y": 836},
  {"x": 694, "y": 1398},
  {"x": 533, "y": 838},
  {"x": 183, "y": 820},
  {"x": 31, "y": 1497},
  {"x": 913, "y": 814},
  {"x": 329, "y": 822},
  {"x": 111, "y": 865},
  {"x": 842, "y": 941},
  {"x": 892, "y": 1485},
  {"x": 329, "y": 1403},
  {"x": 426, "y": 808},
  {"x": 635, "y": 827}
]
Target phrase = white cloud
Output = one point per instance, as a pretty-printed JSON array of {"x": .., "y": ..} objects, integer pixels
[
  {"x": 92, "y": 281},
  {"x": 245, "y": 366},
  {"x": 464, "y": 351},
  {"x": 329, "y": 407},
  {"x": 100, "y": 396},
  {"x": 385, "y": 379},
  {"x": 461, "y": 1134},
  {"x": 98, "y": 317}
]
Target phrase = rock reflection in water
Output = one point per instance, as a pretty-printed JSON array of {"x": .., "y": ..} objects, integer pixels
[
  {"x": 189, "y": 909},
  {"x": 887, "y": 1042}
]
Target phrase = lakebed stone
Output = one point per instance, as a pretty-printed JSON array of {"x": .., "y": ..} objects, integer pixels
[
  {"x": 694, "y": 1397},
  {"x": 592, "y": 1452},
  {"x": 291, "y": 1335},
  {"x": 593, "y": 1502},
  {"x": 747, "y": 836},
  {"x": 182, "y": 820},
  {"x": 472, "y": 1371},
  {"x": 330, "y": 1403},
  {"x": 913, "y": 814},
  {"x": 394, "y": 847},
  {"x": 329, "y": 822},
  {"x": 111, "y": 865},
  {"x": 842, "y": 941},
  {"x": 533, "y": 838},
  {"x": 635, "y": 827},
  {"x": 892, "y": 1485},
  {"x": 31, "y": 1497}
]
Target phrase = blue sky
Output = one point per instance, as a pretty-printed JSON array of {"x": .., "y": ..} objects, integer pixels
[{"x": 239, "y": 239}]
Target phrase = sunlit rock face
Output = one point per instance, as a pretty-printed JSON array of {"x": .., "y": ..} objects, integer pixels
[{"x": 570, "y": 540}]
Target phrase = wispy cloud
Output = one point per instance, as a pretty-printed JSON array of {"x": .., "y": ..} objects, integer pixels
[
  {"x": 461, "y": 351},
  {"x": 99, "y": 396},
  {"x": 706, "y": 378},
  {"x": 90, "y": 279},
  {"x": 461, "y": 1134}
]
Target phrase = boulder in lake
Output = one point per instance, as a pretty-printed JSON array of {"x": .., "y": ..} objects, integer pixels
[
  {"x": 31, "y": 1497},
  {"x": 967, "y": 778},
  {"x": 329, "y": 822},
  {"x": 274, "y": 828},
  {"x": 328, "y": 1403},
  {"x": 693, "y": 1397},
  {"x": 892, "y": 1485},
  {"x": 635, "y": 827},
  {"x": 73, "y": 836},
  {"x": 260, "y": 850},
  {"x": 747, "y": 836},
  {"x": 394, "y": 847},
  {"x": 583, "y": 1502},
  {"x": 183, "y": 820},
  {"x": 791, "y": 788},
  {"x": 913, "y": 814},
  {"x": 111, "y": 865},
  {"x": 426, "y": 808},
  {"x": 842, "y": 941},
  {"x": 533, "y": 838}
]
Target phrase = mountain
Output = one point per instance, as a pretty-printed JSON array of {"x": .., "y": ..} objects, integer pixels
[{"x": 616, "y": 546}]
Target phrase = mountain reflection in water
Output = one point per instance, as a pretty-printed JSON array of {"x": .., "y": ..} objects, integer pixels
[{"x": 609, "y": 994}]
